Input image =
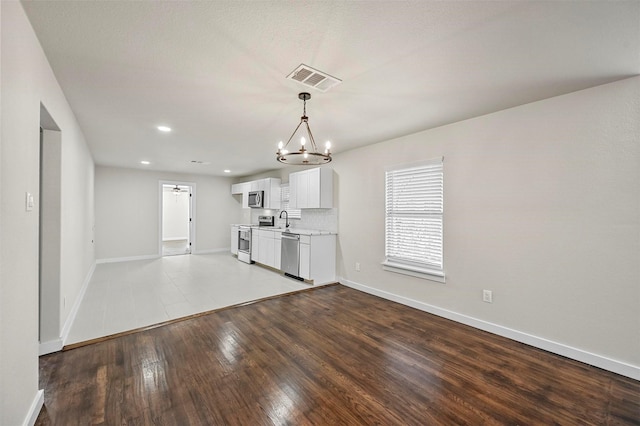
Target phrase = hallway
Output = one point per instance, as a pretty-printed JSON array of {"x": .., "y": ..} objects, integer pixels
[{"x": 128, "y": 295}]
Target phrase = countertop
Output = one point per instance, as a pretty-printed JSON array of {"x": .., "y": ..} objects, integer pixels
[{"x": 299, "y": 231}]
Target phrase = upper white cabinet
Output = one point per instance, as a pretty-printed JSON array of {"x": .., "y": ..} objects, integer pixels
[
  {"x": 238, "y": 188},
  {"x": 311, "y": 189},
  {"x": 270, "y": 186}
]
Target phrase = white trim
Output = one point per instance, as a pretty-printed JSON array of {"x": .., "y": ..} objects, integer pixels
[
  {"x": 414, "y": 164},
  {"x": 192, "y": 212},
  {"x": 50, "y": 346},
  {"x": 176, "y": 239},
  {"x": 76, "y": 305},
  {"x": 615, "y": 366},
  {"x": 34, "y": 410},
  {"x": 211, "y": 251},
  {"x": 127, "y": 259},
  {"x": 414, "y": 271},
  {"x": 56, "y": 345}
]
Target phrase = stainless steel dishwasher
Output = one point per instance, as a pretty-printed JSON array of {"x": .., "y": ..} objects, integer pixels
[{"x": 290, "y": 259}]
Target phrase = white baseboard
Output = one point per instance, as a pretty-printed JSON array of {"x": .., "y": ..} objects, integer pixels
[
  {"x": 50, "y": 346},
  {"x": 76, "y": 305},
  {"x": 35, "y": 408},
  {"x": 57, "y": 344},
  {"x": 127, "y": 259},
  {"x": 175, "y": 239},
  {"x": 596, "y": 360}
]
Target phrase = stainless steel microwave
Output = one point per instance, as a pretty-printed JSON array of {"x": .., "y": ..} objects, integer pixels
[{"x": 256, "y": 199}]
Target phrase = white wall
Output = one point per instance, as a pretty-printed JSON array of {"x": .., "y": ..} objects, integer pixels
[
  {"x": 27, "y": 81},
  {"x": 128, "y": 205},
  {"x": 542, "y": 206},
  {"x": 175, "y": 216}
]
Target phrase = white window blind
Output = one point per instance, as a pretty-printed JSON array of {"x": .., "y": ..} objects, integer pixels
[
  {"x": 414, "y": 213},
  {"x": 284, "y": 203}
]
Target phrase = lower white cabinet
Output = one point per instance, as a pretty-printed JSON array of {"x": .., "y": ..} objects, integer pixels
[
  {"x": 318, "y": 258},
  {"x": 305, "y": 261},
  {"x": 277, "y": 250},
  {"x": 266, "y": 256},
  {"x": 317, "y": 254},
  {"x": 266, "y": 247},
  {"x": 234, "y": 239},
  {"x": 255, "y": 245}
]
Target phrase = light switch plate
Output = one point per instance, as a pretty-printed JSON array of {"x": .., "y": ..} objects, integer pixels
[{"x": 28, "y": 201}]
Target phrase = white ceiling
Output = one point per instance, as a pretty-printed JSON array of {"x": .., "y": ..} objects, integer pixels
[{"x": 215, "y": 71}]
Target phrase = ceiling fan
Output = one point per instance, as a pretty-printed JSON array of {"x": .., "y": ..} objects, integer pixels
[{"x": 177, "y": 189}]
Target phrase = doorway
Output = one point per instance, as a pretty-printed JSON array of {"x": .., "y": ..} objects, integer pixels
[
  {"x": 50, "y": 301},
  {"x": 176, "y": 235}
]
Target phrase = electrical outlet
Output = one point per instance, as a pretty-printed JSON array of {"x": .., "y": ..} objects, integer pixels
[
  {"x": 357, "y": 266},
  {"x": 487, "y": 296}
]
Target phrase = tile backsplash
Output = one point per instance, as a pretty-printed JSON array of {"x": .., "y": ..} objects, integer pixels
[{"x": 323, "y": 219}]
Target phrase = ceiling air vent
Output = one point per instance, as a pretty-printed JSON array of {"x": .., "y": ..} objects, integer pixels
[{"x": 313, "y": 78}]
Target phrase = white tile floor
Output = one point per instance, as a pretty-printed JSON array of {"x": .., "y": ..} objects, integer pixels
[
  {"x": 128, "y": 295},
  {"x": 176, "y": 247}
]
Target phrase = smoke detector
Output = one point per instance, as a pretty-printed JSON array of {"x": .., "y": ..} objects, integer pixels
[{"x": 313, "y": 78}]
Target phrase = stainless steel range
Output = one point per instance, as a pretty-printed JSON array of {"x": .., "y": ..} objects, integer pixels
[{"x": 244, "y": 243}]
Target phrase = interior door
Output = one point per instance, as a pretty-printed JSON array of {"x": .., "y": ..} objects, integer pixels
[{"x": 177, "y": 223}]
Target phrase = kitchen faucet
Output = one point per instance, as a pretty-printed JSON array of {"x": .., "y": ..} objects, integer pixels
[{"x": 286, "y": 216}]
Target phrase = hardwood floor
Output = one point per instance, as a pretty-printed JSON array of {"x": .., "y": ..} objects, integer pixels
[{"x": 328, "y": 356}]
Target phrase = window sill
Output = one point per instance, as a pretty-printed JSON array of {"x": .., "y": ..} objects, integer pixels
[{"x": 414, "y": 271}]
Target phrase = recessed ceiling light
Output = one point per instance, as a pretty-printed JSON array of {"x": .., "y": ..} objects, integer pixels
[
  {"x": 145, "y": 162},
  {"x": 227, "y": 171},
  {"x": 164, "y": 129}
]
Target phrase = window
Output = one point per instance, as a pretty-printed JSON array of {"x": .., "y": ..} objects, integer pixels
[
  {"x": 284, "y": 203},
  {"x": 413, "y": 225}
]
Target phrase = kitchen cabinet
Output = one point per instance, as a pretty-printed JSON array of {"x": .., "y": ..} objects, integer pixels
[
  {"x": 234, "y": 239},
  {"x": 241, "y": 188},
  {"x": 266, "y": 247},
  {"x": 318, "y": 258},
  {"x": 277, "y": 250},
  {"x": 266, "y": 254},
  {"x": 270, "y": 186},
  {"x": 238, "y": 188},
  {"x": 305, "y": 265},
  {"x": 311, "y": 189},
  {"x": 255, "y": 245}
]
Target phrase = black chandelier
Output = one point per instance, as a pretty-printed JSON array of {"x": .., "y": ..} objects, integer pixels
[{"x": 304, "y": 156}]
